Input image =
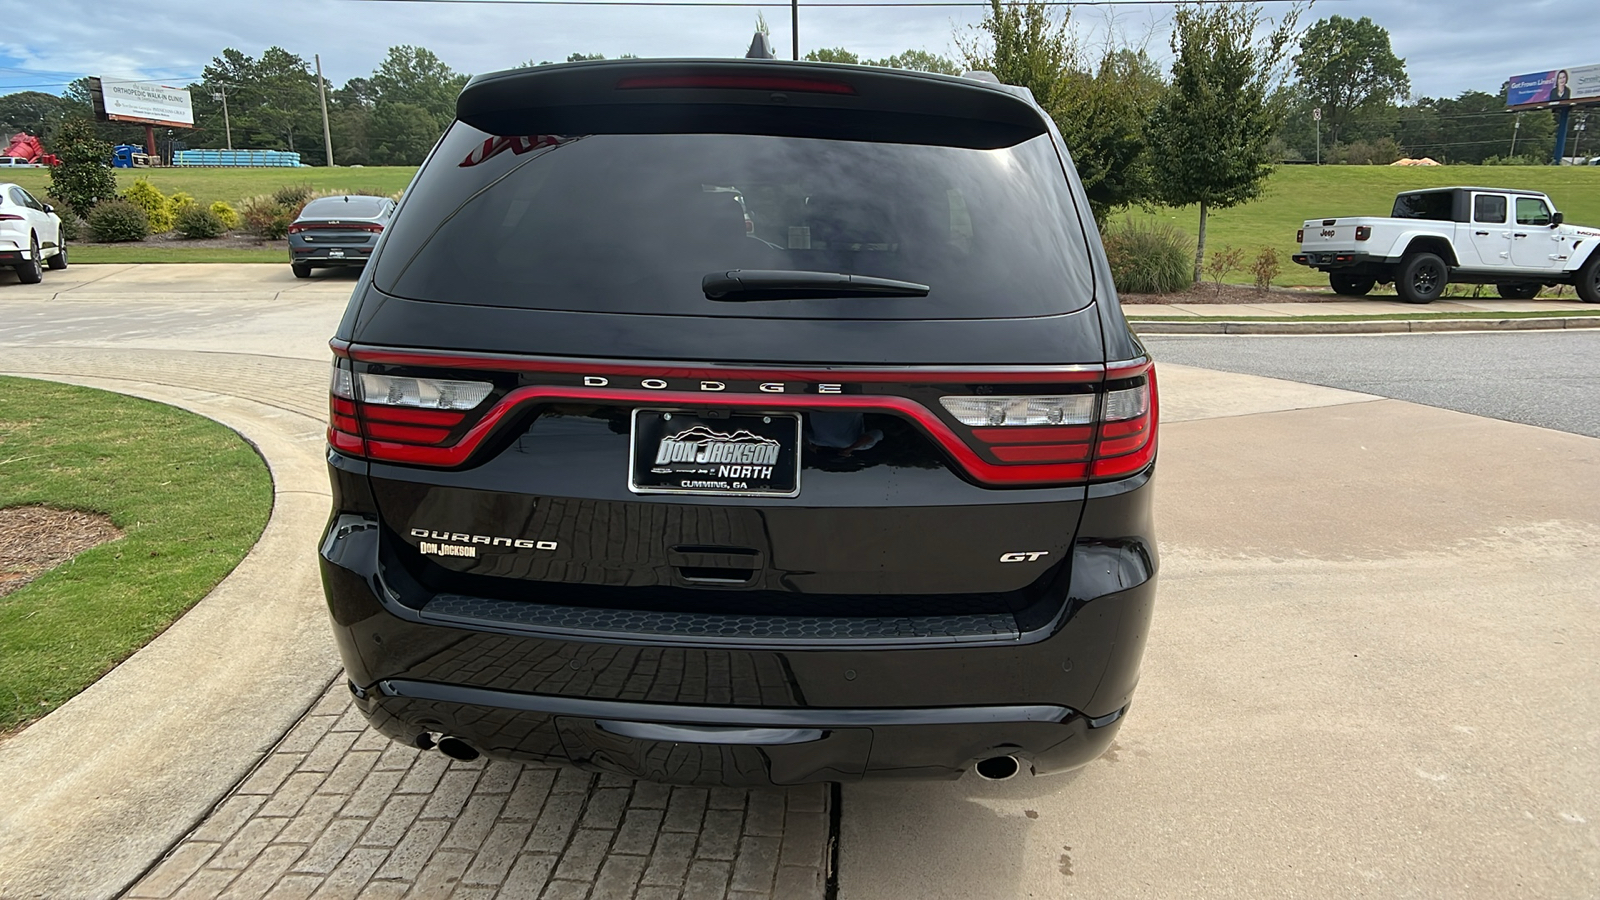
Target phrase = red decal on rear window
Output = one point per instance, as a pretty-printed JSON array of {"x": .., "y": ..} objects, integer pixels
[{"x": 519, "y": 145}]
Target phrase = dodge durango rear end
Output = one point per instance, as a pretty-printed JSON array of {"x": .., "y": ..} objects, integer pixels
[{"x": 743, "y": 422}]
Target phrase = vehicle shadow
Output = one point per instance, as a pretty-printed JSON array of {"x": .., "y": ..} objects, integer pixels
[{"x": 958, "y": 839}]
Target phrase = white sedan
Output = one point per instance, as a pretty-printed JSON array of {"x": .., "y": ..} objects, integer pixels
[{"x": 30, "y": 234}]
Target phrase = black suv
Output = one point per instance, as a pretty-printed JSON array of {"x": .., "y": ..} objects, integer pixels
[{"x": 743, "y": 422}]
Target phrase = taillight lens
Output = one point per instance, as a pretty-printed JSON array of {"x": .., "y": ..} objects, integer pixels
[
  {"x": 392, "y": 418},
  {"x": 1104, "y": 434},
  {"x": 1300, "y": 236},
  {"x": 1363, "y": 232},
  {"x": 299, "y": 227}
]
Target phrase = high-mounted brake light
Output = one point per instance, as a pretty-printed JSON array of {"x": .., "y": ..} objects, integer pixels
[{"x": 737, "y": 82}]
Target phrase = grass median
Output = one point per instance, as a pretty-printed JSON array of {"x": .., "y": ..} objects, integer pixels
[{"x": 190, "y": 496}]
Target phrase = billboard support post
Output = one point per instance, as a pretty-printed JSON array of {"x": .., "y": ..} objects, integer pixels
[
  {"x": 1563, "y": 116},
  {"x": 150, "y": 150}
]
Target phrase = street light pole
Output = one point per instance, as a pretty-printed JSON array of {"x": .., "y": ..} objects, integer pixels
[
  {"x": 1316, "y": 116},
  {"x": 322, "y": 91}
]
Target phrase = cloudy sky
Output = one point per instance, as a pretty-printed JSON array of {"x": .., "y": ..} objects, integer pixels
[{"x": 1449, "y": 45}]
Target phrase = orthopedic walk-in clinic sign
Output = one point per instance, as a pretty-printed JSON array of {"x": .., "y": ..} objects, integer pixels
[
  {"x": 1575, "y": 84},
  {"x": 143, "y": 102}
]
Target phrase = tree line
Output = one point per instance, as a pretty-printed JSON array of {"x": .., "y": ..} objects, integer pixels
[{"x": 1344, "y": 68}]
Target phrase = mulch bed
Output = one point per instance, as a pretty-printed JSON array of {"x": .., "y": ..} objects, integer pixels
[
  {"x": 1236, "y": 293},
  {"x": 36, "y": 539},
  {"x": 229, "y": 241}
]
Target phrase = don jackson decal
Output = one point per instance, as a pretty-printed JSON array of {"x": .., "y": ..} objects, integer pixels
[{"x": 738, "y": 455}]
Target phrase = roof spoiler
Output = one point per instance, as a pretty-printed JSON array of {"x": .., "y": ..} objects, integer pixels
[{"x": 767, "y": 97}]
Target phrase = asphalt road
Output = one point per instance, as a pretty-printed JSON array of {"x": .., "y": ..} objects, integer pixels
[{"x": 1549, "y": 379}]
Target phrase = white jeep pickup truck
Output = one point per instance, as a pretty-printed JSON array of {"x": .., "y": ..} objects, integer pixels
[{"x": 1512, "y": 239}]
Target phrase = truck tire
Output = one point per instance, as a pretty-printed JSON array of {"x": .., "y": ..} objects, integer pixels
[
  {"x": 1351, "y": 285},
  {"x": 1518, "y": 291},
  {"x": 1422, "y": 278},
  {"x": 1588, "y": 283}
]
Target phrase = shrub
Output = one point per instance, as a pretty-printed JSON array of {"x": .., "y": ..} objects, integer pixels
[
  {"x": 181, "y": 201},
  {"x": 1221, "y": 263},
  {"x": 118, "y": 220},
  {"x": 1149, "y": 257},
  {"x": 228, "y": 215},
  {"x": 199, "y": 223},
  {"x": 293, "y": 195},
  {"x": 267, "y": 217},
  {"x": 1265, "y": 268},
  {"x": 71, "y": 225},
  {"x": 84, "y": 177},
  {"x": 157, "y": 208}
]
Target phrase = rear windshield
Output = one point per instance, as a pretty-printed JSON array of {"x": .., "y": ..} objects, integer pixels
[
  {"x": 633, "y": 223},
  {"x": 1436, "y": 205},
  {"x": 354, "y": 207}
]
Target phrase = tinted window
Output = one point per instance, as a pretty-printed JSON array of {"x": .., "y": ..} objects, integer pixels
[
  {"x": 18, "y": 197},
  {"x": 1488, "y": 208},
  {"x": 632, "y": 223},
  {"x": 1532, "y": 211},
  {"x": 354, "y": 207},
  {"x": 1435, "y": 205}
]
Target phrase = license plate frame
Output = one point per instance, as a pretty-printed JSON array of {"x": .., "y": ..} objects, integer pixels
[{"x": 740, "y": 441}]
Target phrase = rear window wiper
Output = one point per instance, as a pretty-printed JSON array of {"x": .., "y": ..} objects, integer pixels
[{"x": 740, "y": 285}]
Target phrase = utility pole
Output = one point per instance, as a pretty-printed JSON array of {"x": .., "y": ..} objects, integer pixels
[
  {"x": 794, "y": 25},
  {"x": 1316, "y": 116},
  {"x": 322, "y": 91},
  {"x": 227, "y": 126},
  {"x": 1577, "y": 136},
  {"x": 1516, "y": 126}
]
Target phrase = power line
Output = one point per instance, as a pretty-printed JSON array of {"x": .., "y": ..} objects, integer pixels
[{"x": 840, "y": 4}]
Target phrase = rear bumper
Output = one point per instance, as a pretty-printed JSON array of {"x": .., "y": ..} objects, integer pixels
[
  {"x": 1338, "y": 260},
  {"x": 739, "y": 746}
]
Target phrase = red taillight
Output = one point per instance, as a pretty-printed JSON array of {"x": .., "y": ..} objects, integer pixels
[
  {"x": 390, "y": 418},
  {"x": 1363, "y": 232},
  {"x": 1300, "y": 236},
  {"x": 11, "y": 217},
  {"x": 372, "y": 227},
  {"x": 737, "y": 82}
]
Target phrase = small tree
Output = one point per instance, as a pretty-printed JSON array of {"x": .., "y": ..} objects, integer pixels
[
  {"x": 84, "y": 177},
  {"x": 1212, "y": 130}
]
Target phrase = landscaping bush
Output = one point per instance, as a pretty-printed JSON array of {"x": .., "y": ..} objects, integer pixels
[
  {"x": 71, "y": 225},
  {"x": 199, "y": 223},
  {"x": 1149, "y": 257},
  {"x": 1222, "y": 263},
  {"x": 118, "y": 220},
  {"x": 293, "y": 196},
  {"x": 157, "y": 208},
  {"x": 267, "y": 217},
  {"x": 1265, "y": 268},
  {"x": 228, "y": 215},
  {"x": 181, "y": 201}
]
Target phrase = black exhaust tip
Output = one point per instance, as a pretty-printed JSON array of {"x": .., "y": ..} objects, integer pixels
[{"x": 456, "y": 748}]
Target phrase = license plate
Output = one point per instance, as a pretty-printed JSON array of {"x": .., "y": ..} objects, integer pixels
[
  {"x": 336, "y": 254},
  {"x": 743, "y": 455}
]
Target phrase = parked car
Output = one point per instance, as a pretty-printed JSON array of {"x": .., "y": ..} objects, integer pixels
[
  {"x": 743, "y": 422},
  {"x": 30, "y": 234},
  {"x": 1515, "y": 240},
  {"x": 18, "y": 162},
  {"x": 337, "y": 231}
]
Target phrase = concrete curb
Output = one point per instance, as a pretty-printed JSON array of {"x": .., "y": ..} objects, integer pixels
[
  {"x": 101, "y": 788},
  {"x": 1372, "y": 326}
]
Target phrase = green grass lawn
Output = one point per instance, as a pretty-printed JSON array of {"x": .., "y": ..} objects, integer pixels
[
  {"x": 233, "y": 185},
  {"x": 191, "y": 497},
  {"x": 1297, "y": 193}
]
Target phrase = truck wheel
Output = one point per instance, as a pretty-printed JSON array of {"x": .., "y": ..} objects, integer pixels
[
  {"x": 1351, "y": 285},
  {"x": 1588, "y": 282},
  {"x": 1422, "y": 278},
  {"x": 1518, "y": 291}
]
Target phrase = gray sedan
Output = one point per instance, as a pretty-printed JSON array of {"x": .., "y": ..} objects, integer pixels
[{"x": 337, "y": 231}]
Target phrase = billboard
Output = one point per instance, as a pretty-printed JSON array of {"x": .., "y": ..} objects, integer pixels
[
  {"x": 1555, "y": 86},
  {"x": 142, "y": 102}
]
